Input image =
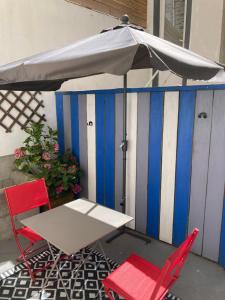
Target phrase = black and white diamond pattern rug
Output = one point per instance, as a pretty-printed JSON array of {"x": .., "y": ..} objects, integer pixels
[{"x": 16, "y": 284}]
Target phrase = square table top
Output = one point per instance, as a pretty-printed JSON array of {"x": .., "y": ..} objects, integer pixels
[{"x": 77, "y": 224}]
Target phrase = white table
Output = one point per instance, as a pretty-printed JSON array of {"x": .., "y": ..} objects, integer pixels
[{"x": 74, "y": 226}]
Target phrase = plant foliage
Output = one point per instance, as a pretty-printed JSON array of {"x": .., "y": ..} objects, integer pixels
[{"x": 40, "y": 157}]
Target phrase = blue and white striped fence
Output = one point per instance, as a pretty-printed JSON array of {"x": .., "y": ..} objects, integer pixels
[{"x": 175, "y": 158}]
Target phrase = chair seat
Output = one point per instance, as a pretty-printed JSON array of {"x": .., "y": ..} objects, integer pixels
[
  {"x": 29, "y": 234},
  {"x": 135, "y": 279}
]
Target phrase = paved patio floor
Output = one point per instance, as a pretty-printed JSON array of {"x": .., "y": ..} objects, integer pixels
[{"x": 200, "y": 279}]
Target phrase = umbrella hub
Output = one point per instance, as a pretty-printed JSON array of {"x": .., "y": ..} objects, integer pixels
[
  {"x": 124, "y": 23},
  {"x": 125, "y": 20}
]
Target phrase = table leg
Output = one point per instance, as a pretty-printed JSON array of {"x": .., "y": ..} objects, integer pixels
[
  {"x": 108, "y": 265},
  {"x": 56, "y": 260},
  {"x": 79, "y": 266},
  {"x": 103, "y": 252},
  {"x": 83, "y": 262}
]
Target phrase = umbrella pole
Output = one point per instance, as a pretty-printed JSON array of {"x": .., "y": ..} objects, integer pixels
[{"x": 124, "y": 146}]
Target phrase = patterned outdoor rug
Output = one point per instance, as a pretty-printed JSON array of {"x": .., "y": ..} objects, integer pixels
[{"x": 16, "y": 284}]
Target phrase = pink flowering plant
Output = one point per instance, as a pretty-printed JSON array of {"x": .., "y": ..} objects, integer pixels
[{"x": 40, "y": 157}]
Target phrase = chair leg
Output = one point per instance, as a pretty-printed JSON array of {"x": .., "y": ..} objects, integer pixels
[
  {"x": 32, "y": 274},
  {"x": 109, "y": 293},
  {"x": 26, "y": 250},
  {"x": 24, "y": 258}
]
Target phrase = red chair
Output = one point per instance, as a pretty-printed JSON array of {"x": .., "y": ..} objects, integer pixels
[
  {"x": 138, "y": 279},
  {"x": 22, "y": 198}
]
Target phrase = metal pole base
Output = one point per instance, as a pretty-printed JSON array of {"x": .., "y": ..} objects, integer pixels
[
  {"x": 116, "y": 235},
  {"x": 125, "y": 230}
]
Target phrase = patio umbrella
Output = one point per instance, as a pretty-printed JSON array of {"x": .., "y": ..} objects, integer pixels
[{"x": 115, "y": 51}]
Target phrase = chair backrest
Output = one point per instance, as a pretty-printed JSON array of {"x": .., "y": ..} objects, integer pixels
[
  {"x": 171, "y": 270},
  {"x": 26, "y": 196}
]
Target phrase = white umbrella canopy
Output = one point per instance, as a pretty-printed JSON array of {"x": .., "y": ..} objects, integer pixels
[{"x": 114, "y": 51}]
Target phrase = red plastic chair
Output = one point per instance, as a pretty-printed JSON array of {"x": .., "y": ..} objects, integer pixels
[
  {"x": 22, "y": 198},
  {"x": 138, "y": 279}
]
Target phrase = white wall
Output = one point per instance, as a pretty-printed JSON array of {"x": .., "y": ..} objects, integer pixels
[
  {"x": 206, "y": 26},
  {"x": 205, "y": 37},
  {"x": 28, "y": 27},
  {"x": 166, "y": 78},
  {"x": 206, "y": 29}
]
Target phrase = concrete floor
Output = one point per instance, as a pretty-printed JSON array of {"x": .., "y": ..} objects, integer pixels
[{"x": 200, "y": 278}]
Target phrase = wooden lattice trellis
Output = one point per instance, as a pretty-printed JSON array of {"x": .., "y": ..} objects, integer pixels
[{"x": 20, "y": 108}]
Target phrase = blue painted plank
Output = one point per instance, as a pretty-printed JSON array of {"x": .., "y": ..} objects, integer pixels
[
  {"x": 105, "y": 149},
  {"x": 67, "y": 122},
  {"x": 74, "y": 111},
  {"x": 100, "y": 148},
  {"x": 118, "y": 151},
  {"x": 110, "y": 151},
  {"x": 60, "y": 122},
  {"x": 183, "y": 165},
  {"x": 222, "y": 238},
  {"x": 154, "y": 163}
]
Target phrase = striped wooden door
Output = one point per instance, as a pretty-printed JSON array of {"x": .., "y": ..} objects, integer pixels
[{"x": 175, "y": 158}]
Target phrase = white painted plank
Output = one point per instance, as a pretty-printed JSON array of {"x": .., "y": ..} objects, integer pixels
[
  {"x": 67, "y": 122},
  {"x": 131, "y": 156},
  {"x": 200, "y": 165},
  {"x": 142, "y": 161},
  {"x": 171, "y": 103},
  {"x": 91, "y": 141},
  {"x": 216, "y": 180},
  {"x": 82, "y": 116}
]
